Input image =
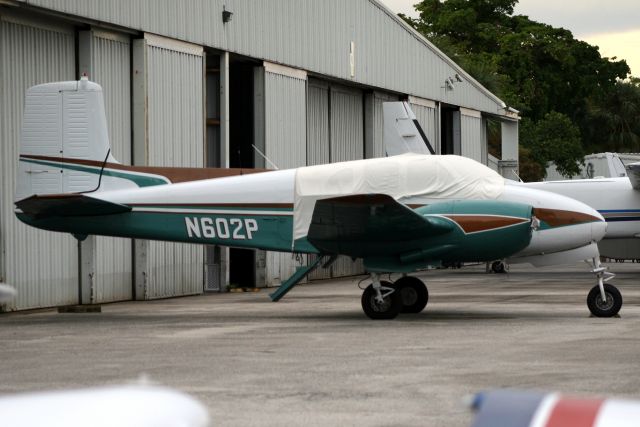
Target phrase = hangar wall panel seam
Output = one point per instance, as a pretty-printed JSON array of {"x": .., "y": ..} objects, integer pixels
[
  {"x": 41, "y": 265},
  {"x": 112, "y": 70}
]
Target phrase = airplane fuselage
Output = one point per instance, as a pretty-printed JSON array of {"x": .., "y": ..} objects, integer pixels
[{"x": 256, "y": 211}]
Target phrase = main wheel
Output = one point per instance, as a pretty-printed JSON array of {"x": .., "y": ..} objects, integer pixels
[
  {"x": 601, "y": 308},
  {"x": 499, "y": 267},
  {"x": 414, "y": 294},
  {"x": 388, "y": 309}
]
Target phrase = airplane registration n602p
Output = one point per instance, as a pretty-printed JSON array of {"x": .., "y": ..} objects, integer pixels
[{"x": 398, "y": 213}]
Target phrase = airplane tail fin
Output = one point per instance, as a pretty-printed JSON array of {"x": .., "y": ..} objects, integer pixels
[
  {"x": 64, "y": 144},
  {"x": 402, "y": 132}
]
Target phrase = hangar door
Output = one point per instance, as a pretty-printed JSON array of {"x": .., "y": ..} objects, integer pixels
[
  {"x": 285, "y": 129},
  {"x": 106, "y": 58},
  {"x": 335, "y": 134},
  {"x": 374, "y": 123},
  {"x": 41, "y": 265},
  {"x": 471, "y": 135},
  {"x": 426, "y": 114},
  {"x": 168, "y": 131}
]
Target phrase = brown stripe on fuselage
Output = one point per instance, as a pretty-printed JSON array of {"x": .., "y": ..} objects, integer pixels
[
  {"x": 174, "y": 175},
  {"x": 475, "y": 223},
  {"x": 558, "y": 218},
  {"x": 218, "y": 205}
]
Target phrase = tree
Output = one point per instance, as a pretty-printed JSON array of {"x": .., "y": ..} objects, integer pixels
[
  {"x": 556, "y": 139},
  {"x": 535, "y": 68},
  {"x": 614, "y": 122}
]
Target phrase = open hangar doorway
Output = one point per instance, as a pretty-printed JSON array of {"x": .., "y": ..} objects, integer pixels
[
  {"x": 239, "y": 84},
  {"x": 450, "y": 141},
  {"x": 242, "y": 262}
]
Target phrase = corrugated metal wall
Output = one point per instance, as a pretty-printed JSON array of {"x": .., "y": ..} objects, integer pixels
[
  {"x": 318, "y": 151},
  {"x": 471, "y": 136},
  {"x": 43, "y": 266},
  {"x": 111, "y": 68},
  {"x": 285, "y": 145},
  {"x": 347, "y": 143},
  {"x": 294, "y": 32},
  {"x": 428, "y": 118},
  {"x": 378, "y": 149},
  {"x": 175, "y": 126},
  {"x": 335, "y": 133},
  {"x": 318, "y": 148}
]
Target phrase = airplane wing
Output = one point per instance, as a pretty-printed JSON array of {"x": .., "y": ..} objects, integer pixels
[
  {"x": 68, "y": 205},
  {"x": 360, "y": 224},
  {"x": 633, "y": 172}
]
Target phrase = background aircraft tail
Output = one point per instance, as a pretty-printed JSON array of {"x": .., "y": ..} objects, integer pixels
[{"x": 402, "y": 132}]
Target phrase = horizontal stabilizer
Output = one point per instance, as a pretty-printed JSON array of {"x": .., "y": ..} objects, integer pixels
[
  {"x": 366, "y": 221},
  {"x": 68, "y": 205},
  {"x": 633, "y": 172}
]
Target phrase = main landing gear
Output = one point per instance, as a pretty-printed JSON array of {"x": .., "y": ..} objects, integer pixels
[
  {"x": 603, "y": 300},
  {"x": 385, "y": 300}
]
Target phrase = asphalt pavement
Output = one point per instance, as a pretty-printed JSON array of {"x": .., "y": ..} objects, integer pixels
[{"x": 314, "y": 359}]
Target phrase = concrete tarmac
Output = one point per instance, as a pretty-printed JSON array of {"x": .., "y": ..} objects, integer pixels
[{"x": 314, "y": 358}]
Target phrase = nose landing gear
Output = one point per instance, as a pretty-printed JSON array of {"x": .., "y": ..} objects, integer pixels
[{"x": 603, "y": 300}]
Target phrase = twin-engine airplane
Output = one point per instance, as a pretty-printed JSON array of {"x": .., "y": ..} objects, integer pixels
[{"x": 398, "y": 214}]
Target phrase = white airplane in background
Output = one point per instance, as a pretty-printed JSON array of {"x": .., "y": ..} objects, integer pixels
[
  {"x": 398, "y": 213},
  {"x": 617, "y": 199}
]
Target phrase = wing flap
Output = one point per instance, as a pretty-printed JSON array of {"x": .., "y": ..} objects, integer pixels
[
  {"x": 68, "y": 205},
  {"x": 359, "y": 224}
]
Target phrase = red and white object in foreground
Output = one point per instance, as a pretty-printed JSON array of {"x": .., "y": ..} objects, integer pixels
[
  {"x": 122, "y": 406},
  {"x": 517, "y": 408}
]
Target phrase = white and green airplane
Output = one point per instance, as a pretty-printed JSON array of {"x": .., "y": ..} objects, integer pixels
[{"x": 399, "y": 213}]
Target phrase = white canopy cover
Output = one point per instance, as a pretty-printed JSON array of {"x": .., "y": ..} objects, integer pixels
[{"x": 433, "y": 177}]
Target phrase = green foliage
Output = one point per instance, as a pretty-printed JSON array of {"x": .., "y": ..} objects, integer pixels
[
  {"x": 614, "y": 121},
  {"x": 554, "y": 138},
  {"x": 537, "y": 69}
]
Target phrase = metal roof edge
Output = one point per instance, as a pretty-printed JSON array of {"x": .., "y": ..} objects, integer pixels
[{"x": 438, "y": 52}]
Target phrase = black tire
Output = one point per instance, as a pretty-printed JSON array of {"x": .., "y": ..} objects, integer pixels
[
  {"x": 413, "y": 292},
  {"x": 388, "y": 310},
  {"x": 604, "y": 309},
  {"x": 498, "y": 267}
]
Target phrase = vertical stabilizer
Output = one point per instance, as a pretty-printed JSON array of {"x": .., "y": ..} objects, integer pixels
[
  {"x": 64, "y": 139},
  {"x": 402, "y": 132}
]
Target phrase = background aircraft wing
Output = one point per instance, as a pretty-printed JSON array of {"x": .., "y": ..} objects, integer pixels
[
  {"x": 633, "y": 172},
  {"x": 368, "y": 221}
]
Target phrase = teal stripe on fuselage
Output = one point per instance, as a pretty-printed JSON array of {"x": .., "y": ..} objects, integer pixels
[{"x": 268, "y": 232}]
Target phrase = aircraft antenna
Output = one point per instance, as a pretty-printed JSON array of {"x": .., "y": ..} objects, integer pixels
[
  {"x": 517, "y": 176},
  {"x": 264, "y": 156}
]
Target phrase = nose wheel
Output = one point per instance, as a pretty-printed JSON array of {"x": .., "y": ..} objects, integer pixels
[
  {"x": 608, "y": 306},
  {"x": 603, "y": 300}
]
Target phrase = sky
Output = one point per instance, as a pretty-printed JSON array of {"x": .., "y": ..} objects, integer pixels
[{"x": 613, "y": 25}]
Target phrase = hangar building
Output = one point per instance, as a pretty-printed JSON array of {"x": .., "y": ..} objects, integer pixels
[{"x": 197, "y": 84}]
